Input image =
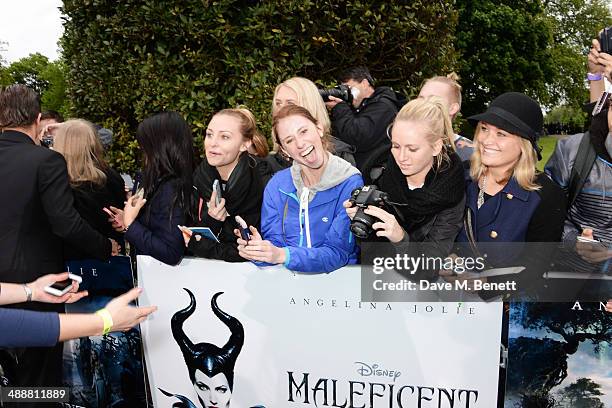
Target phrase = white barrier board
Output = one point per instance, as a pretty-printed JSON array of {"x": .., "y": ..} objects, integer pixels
[{"x": 309, "y": 341}]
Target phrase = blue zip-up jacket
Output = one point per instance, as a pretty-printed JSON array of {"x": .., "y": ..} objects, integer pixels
[{"x": 323, "y": 220}]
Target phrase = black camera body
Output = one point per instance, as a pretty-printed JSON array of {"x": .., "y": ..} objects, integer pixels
[
  {"x": 605, "y": 40},
  {"x": 361, "y": 225},
  {"x": 340, "y": 91},
  {"x": 46, "y": 141}
]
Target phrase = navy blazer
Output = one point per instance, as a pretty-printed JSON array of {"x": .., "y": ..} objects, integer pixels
[
  {"x": 516, "y": 215},
  {"x": 155, "y": 232}
]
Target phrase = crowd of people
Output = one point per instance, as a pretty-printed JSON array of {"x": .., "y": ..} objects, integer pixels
[{"x": 294, "y": 206}]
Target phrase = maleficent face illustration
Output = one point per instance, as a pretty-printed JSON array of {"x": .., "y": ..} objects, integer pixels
[{"x": 211, "y": 369}]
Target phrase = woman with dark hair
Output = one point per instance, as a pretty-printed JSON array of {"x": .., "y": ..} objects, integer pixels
[
  {"x": 152, "y": 216},
  {"x": 240, "y": 178},
  {"x": 211, "y": 369}
]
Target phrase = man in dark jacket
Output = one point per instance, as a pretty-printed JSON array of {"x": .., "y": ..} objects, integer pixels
[
  {"x": 364, "y": 124},
  {"x": 37, "y": 213}
]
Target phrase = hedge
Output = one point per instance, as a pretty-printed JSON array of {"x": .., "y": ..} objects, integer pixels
[{"x": 129, "y": 59}]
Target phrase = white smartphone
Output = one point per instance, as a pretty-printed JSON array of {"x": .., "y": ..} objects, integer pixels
[
  {"x": 580, "y": 238},
  {"x": 217, "y": 188},
  {"x": 62, "y": 287}
]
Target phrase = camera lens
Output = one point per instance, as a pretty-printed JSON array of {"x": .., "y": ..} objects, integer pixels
[{"x": 361, "y": 225}]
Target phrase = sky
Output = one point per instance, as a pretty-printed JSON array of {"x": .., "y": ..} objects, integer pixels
[{"x": 30, "y": 26}]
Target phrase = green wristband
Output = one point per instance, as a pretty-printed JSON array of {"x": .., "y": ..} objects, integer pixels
[{"x": 107, "y": 319}]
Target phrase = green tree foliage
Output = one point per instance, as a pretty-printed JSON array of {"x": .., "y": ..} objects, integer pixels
[
  {"x": 47, "y": 78},
  {"x": 129, "y": 59},
  {"x": 28, "y": 71},
  {"x": 575, "y": 23},
  {"x": 567, "y": 119},
  {"x": 54, "y": 97},
  {"x": 583, "y": 393},
  {"x": 504, "y": 47}
]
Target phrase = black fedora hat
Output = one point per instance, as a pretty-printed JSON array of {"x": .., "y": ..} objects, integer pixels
[{"x": 515, "y": 113}]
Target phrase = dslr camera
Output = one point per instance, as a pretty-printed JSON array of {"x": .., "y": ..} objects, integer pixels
[
  {"x": 361, "y": 225},
  {"x": 339, "y": 91},
  {"x": 605, "y": 40}
]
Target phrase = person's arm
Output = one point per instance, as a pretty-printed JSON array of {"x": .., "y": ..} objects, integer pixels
[
  {"x": 559, "y": 170},
  {"x": 123, "y": 317},
  {"x": 161, "y": 239},
  {"x": 596, "y": 87},
  {"x": 25, "y": 328},
  {"x": 362, "y": 130},
  {"x": 271, "y": 218},
  {"x": 18, "y": 293},
  {"x": 58, "y": 203}
]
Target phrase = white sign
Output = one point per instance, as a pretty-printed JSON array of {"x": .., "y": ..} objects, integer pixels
[{"x": 309, "y": 341}]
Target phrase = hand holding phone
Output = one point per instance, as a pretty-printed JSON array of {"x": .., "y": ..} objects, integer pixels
[
  {"x": 60, "y": 288},
  {"x": 245, "y": 233},
  {"x": 217, "y": 189}
]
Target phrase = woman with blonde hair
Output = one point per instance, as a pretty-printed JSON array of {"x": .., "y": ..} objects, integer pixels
[
  {"x": 94, "y": 184},
  {"x": 508, "y": 200},
  {"x": 448, "y": 88},
  {"x": 303, "y": 92},
  {"x": 423, "y": 179},
  {"x": 237, "y": 175}
]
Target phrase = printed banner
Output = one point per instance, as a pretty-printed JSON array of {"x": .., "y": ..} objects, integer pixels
[
  {"x": 104, "y": 371},
  {"x": 237, "y": 334},
  {"x": 559, "y": 355}
]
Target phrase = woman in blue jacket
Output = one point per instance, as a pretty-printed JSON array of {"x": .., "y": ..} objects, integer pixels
[{"x": 303, "y": 222}]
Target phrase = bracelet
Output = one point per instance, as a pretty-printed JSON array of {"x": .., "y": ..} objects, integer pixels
[
  {"x": 107, "y": 319},
  {"x": 28, "y": 292},
  {"x": 594, "y": 77}
]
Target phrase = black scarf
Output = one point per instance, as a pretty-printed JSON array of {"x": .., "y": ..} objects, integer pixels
[
  {"x": 243, "y": 191},
  {"x": 599, "y": 131},
  {"x": 444, "y": 188}
]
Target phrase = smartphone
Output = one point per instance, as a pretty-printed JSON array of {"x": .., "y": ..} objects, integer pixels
[
  {"x": 135, "y": 186},
  {"x": 580, "y": 238},
  {"x": 217, "y": 189},
  {"x": 605, "y": 40},
  {"x": 204, "y": 231},
  {"x": 245, "y": 233},
  {"x": 62, "y": 287}
]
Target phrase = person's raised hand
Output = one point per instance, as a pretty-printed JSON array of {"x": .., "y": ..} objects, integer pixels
[
  {"x": 333, "y": 101},
  {"x": 594, "y": 66},
  {"x": 132, "y": 207},
  {"x": 351, "y": 209},
  {"x": 592, "y": 252},
  {"x": 126, "y": 316},
  {"x": 387, "y": 226}
]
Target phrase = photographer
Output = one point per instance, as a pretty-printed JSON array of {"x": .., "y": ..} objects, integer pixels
[
  {"x": 363, "y": 125},
  {"x": 423, "y": 179}
]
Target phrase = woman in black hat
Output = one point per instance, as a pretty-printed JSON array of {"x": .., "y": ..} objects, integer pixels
[{"x": 508, "y": 200}]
